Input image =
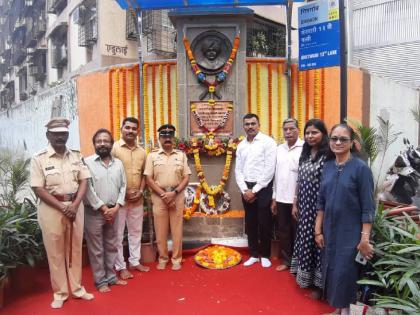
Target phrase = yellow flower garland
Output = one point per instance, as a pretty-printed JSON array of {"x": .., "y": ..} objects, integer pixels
[
  {"x": 300, "y": 101},
  {"x": 131, "y": 92},
  {"x": 146, "y": 108},
  {"x": 316, "y": 94},
  {"x": 117, "y": 104},
  {"x": 161, "y": 111},
  {"x": 259, "y": 90},
  {"x": 279, "y": 101}
]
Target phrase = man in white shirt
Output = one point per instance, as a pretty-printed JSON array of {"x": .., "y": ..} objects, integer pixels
[
  {"x": 285, "y": 180},
  {"x": 254, "y": 171}
]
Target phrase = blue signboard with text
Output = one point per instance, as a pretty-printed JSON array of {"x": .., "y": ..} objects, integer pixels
[{"x": 319, "y": 35}]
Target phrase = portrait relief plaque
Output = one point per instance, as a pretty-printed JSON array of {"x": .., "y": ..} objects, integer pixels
[
  {"x": 211, "y": 117},
  {"x": 211, "y": 50}
]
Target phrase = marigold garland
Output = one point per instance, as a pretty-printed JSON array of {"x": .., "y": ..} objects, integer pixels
[
  {"x": 201, "y": 176},
  {"x": 259, "y": 90},
  {"x": 136, "y": 70},
  {"x": 168, "y": 84},
  {"x": 131, "y": 91},
  {"x": 161, "y": 111},
  {"x": 154, "y": 104},
  {"x": 270, "y": 99},
  {"x": 146, "y": 107},
  {"x": 279, "y": 101},
  {"x": 124, "y": 92},
  {"x": 307, "y": 109},
  {"x": 110, "y": 100},
  {"x": 249, "y": 87},
  {"x": 220, "y": 77},
  {"x": 292, "y": 94},
  {"x": 316, "y": 94},
  {"x": 300, "y": 101},
  {"x": 117, "y": 104}
]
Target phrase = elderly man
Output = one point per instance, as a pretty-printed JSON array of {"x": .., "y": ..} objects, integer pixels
[
  {"x": 167, "y": 174},
  {"x": 104, "y": 197},
  {"x": 284, "y": 187},
  {"x": 255, "y": 165},
  {"x": 133, "y": 158},
  {"x": 59, "y": 178}
]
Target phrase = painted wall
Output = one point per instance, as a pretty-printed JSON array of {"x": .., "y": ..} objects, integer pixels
[
  {"x": 393, "y": 101},
  {"x": 22, "y": 128}
]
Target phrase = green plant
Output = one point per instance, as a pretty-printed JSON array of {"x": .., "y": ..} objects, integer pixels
[
  {"x": 20, "y": 235},
  {"x": 396, "y": 268}
]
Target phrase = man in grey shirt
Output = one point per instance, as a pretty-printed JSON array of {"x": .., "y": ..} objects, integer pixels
[{"x": 104, "y": 197}]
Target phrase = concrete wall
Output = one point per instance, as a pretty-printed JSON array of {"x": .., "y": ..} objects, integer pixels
[{"x": 22, "y": 127}]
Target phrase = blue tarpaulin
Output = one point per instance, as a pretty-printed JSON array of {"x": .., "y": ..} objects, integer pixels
[{"x": 173, "y": 4}]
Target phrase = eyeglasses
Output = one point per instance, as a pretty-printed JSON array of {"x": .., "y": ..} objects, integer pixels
[
  {"x": 341, "y": 139},
  {"x": 250, "y": 124}
]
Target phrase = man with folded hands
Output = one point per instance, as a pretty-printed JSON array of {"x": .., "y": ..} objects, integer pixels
[
  {"x": 133, "y": 158},
  {"x": 59, "y": 178},
  {"x": 104, "y": 197}
]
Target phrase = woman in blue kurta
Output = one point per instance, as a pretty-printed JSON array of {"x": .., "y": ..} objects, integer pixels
[{"x": 344, "y": 220}]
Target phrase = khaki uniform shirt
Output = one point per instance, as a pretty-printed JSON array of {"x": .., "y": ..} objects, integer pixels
[
  {"x": 133, "y": 161},
  {"x": 167, "y": 170},
  {"x": 59, "y": 175}
]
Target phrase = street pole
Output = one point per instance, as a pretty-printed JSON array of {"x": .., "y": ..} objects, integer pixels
[
  {"x": 289, "y": 10},
  {"x": 141, "y": 109},
  {"x": 343, "y": 63}
]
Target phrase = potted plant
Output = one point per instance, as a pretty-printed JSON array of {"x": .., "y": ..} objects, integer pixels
[
  {"x": 395, "y": 275},
  {"x": 20, "y": 236}
]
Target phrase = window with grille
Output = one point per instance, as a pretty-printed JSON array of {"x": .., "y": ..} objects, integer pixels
[
  {"x": 159, "y": 32},
  {"x": 86, "y": 17},
  {"x": 131, "y": 25},
  {"x": 266, "y": 38}
]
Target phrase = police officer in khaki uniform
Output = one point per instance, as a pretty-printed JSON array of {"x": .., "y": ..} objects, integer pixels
[
  {"x": 59, "y": 179},
  {"x": 167, "y": 174}
]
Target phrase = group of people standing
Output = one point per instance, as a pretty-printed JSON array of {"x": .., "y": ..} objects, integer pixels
[
  {"x": 99, "y": 197},
  {"x": 319, "y": 191},
  {"x": 321, "y": 195}
]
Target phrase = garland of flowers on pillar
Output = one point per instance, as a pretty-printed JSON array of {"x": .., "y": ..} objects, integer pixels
[
  {"x": 259, "y": 90},
  {"x": 154, "y": 104},
  {"x": 117, "y": 104},
  {"x": 146, "y": 107},
  {"x": 249, "y": 87},
  {"x": 161, "y": 110},
  {"x": 270, "y": 99},
  {"x": 279, "y": 101},
  {"x": 110, "y": 100},
  {"x": 168, "y": 88},
  {"x": 316, "y": 94},
  {"x": 300, "y": 102},
  {"x": 220, "y": 77},
  {"x": 131, "y": 91},
  {"x": 322, "y": 105}
]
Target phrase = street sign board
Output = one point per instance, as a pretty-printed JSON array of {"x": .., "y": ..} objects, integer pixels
[{"x": 319, "y": 35}]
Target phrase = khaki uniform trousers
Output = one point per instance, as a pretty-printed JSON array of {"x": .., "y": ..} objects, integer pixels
[
  {"x": 166, "y": 218},
  {"x": 56, "y": 236}
]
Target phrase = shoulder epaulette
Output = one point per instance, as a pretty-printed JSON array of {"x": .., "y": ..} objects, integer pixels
[{"x": 41, "y": 152}]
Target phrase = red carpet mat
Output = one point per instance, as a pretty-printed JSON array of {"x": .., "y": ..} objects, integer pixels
[{"x": 193, "y": 290}]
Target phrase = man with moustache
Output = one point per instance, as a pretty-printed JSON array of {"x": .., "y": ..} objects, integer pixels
[
  {"x": 254, "y": 171},
  {"x": 284, "y": 187},
  {"x": 59, "y": 178},
  {"x": 133, "y": 158},
  {"x": 104, "y": 197},
  {"x": 167, "y": 174}
]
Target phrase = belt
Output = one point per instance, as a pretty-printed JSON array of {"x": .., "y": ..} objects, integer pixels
[
  {"x": 169, "y": 189},
  {"x": 65, "y": 197}
]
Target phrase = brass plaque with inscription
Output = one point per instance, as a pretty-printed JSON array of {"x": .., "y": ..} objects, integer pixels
[{"x": 211, "y": 117}]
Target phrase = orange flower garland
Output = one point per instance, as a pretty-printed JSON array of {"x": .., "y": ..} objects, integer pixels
[
  {"x": 316, "y": 94},
  {"x": 131, "y": 91},
  {"x": 168, "y": 84},
  {"x": 279, "y": 100},
  {"x": 322, "y": 105},
  {"x": 300, "y": 102},
  {"x": 307, "y": 96},
  {"x": 146, "y": 108},
  {"x": 110, "y": 100},
  {"x": 258, "y": 90},
  {"x": 117, "y": 104},
  {"x": 154, "y": 105},
  {"x": 249, "y": 87},
  {"x": 270, "y": 99},
  {"x": 124, "y": 92},
  {"x": 161, "y": 111}
]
